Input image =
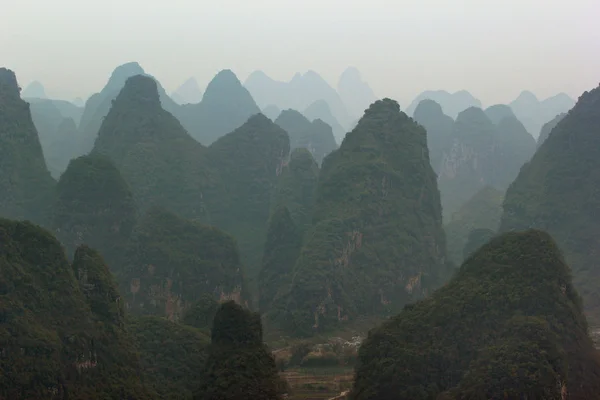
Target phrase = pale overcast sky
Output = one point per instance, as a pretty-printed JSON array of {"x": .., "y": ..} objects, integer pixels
[{"x": 492, "y": 48}]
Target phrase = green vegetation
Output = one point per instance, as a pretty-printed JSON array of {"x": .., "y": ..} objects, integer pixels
[
  {"x": 482, "y": 211},
  {"x": 26, "y": 187},
  {"x": 239, "y": 366},
  {"x": 509, "y": 324},
  {"x": 296, "y": 188},
  {"x": 315, "y": 136},
  {"x": 282, "y": 247},
  {"x": 94, "y": 206},
  {"x": 172, "y": 262},
  {"x": 61, "y": 327},
  {"x": 377, "y": 240},
  {"x": 557, "y": 191},
  {"x": 202, "y": 312},
  {"x": 172, "y": 356}
]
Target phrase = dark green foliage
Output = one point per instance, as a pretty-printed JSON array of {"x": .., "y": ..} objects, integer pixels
[
  {"x": 548, "y": 127},
  {"x": 159, "y": 160},
  {"x": 225, "y": 106},
  {"x": 558, "y": 191},
  {"x": 172, "y": 262},
  {"x": 482, "y": 211},
  {"x": 475, "y": 239},
  {"x": 172, "y": 356},
  {"x": 508, "y": 324},
  {"x": 296, "y": 188},
  {"x": 481, "y": 154},
  {"x": 202, "y": 312},
  {"x": 60, "y": 338},
  {"x": 438, "y": 126},
  {"x": 248, "y": 161},
  {"x": 377, "y": 240},
  {"x": 239, "y": 366},
  {"x": 94, "y": 206},
  {"x": 26, "y": 186},
  {"x": 315, "y": 136},
  {"x": 282, "y": 248}
]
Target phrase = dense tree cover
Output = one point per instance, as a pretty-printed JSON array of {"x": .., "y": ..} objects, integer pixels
[
  {"x": 239, "y": 366},
  {"x": 159, "y": 160},
  {"x": 377, "y": 240},
  {"x": 548, "y": 127},
  {"x": 296, "y": 188},
  {"x": 248, "y": 161},
  {"x": 557, "y": 191},
  {"x": 201, "y": 314},
  {"x": 61, "y": 326},
  {"x": 282, "y": 247},
  {"x": 438, "y": 126},
  {"x": 482, "y": 211},
  {"x": 481, "y": 153},
  {"x": 225, "y": 106},
  {"x": 475, "y": 239},
  {"x": 172, "y": 262},
  {"x": 26, "y": 186},
  {"x": 509, "y": 324},
  {"x": 172, "y": 356},
  {"x": 315, "y": 136},
  {"x": 94, "y": 206}
]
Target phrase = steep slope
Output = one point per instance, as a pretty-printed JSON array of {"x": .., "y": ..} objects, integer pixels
[
  {"x": 225, "y": 106},
  {"x": 296, "y": 188},
  {"x": 482, "y": 211},
  {"x": 315, "y": 136},
  {"x": 557, "y": 191},
  {"x": 95, "y": 207},
  {"x": 172, "y": 262},
  {"x": 61, "y": 149},
  {"x": 172, "y": 356},
  {"x": 162, "y": 164},
  {"x": 36, "y": 90},
  {"x": 248, "y": 160},
  {"x": 282, "y": 248},
  {"x": 547, "y": 128},
  {"x": 514, "y": 147},
  {"x": 533, "y": 113},
  {"x": 377, "y": 240},
  {"x": 510, "y": 308},
  {"x": 25, "y": 184},
  {"x": 498, "y": 112},
  {"x": 321, "y": 110},
  {"x": 61, "y": 327},
  {"x": 356, "y": 94},
  {"x": 271, "y": 111},
  {"x": 439, "y": 128},
  {"x": 65, "y": 108},
  {"x": 239, "y": 366},
  {"x": 188, "y": 93},
  {"x": 452, "y": 103}
]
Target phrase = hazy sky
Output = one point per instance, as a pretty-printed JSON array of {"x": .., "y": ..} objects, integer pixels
[{"x": 493, "y": 48}]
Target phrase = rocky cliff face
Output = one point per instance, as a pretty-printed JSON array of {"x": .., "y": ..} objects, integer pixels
[
  {"x": 512, "y": 298},
  {"x": 26, "y": 186},
  {"x": 557, "y": 192},
  {"x": 376, "y": 195}
]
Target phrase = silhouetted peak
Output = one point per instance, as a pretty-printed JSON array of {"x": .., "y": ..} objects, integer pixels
[
  {"x": 383, "y": 107},
  {"x": 473, "y": 115},
  {"x": 320, "y": 107},
  {"x": 35, "y": 90},
  {"x": 120, "y": 75},
  {"x": 224, "y": 84},
  {"x": 235, "y": 325},
  {"x": 258, "y": 75},
  {"x": 141, "y": 89},
  {"x": 428, "y": 108},
  {"x": 351, "y": 74},
  {"x": 258, "y": 120},
  {"x": 188, "y": 92},
  {"x": 290, "y": 115},
  {"x": 320, "y": 124},
  {"x": 498, "y": 112},
  {"x": 8, "y": 83},
  {"x": 527, "y": 96}
]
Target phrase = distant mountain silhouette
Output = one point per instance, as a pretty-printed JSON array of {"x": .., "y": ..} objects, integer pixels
[
  {"x": 534, "y": 113},
  {"x": 35, "y": 89},
  {"x": 429, "y": 114},
  {"x": 452, "y": 103},
  {"x": 356, "y": 94},
  {"x": 271, "y": 111},
  {"x": 499, "y": 111},
  {"x": 188, "y": 93},
  {"x": 320, "y": 110},
  {"x": 78, "y": 101},
  {"x": 301, "y": 91},
  {"x": 548, "y": 127}
]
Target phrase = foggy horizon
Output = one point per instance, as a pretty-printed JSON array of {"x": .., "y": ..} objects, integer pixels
[{"x": 494, "y": 50}]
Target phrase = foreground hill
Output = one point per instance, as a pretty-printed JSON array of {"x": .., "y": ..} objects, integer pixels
[
  {"x": 557, "y": 191},
  {"x": 509, "y": 325},
  {"x": 377, "y": 205}
]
